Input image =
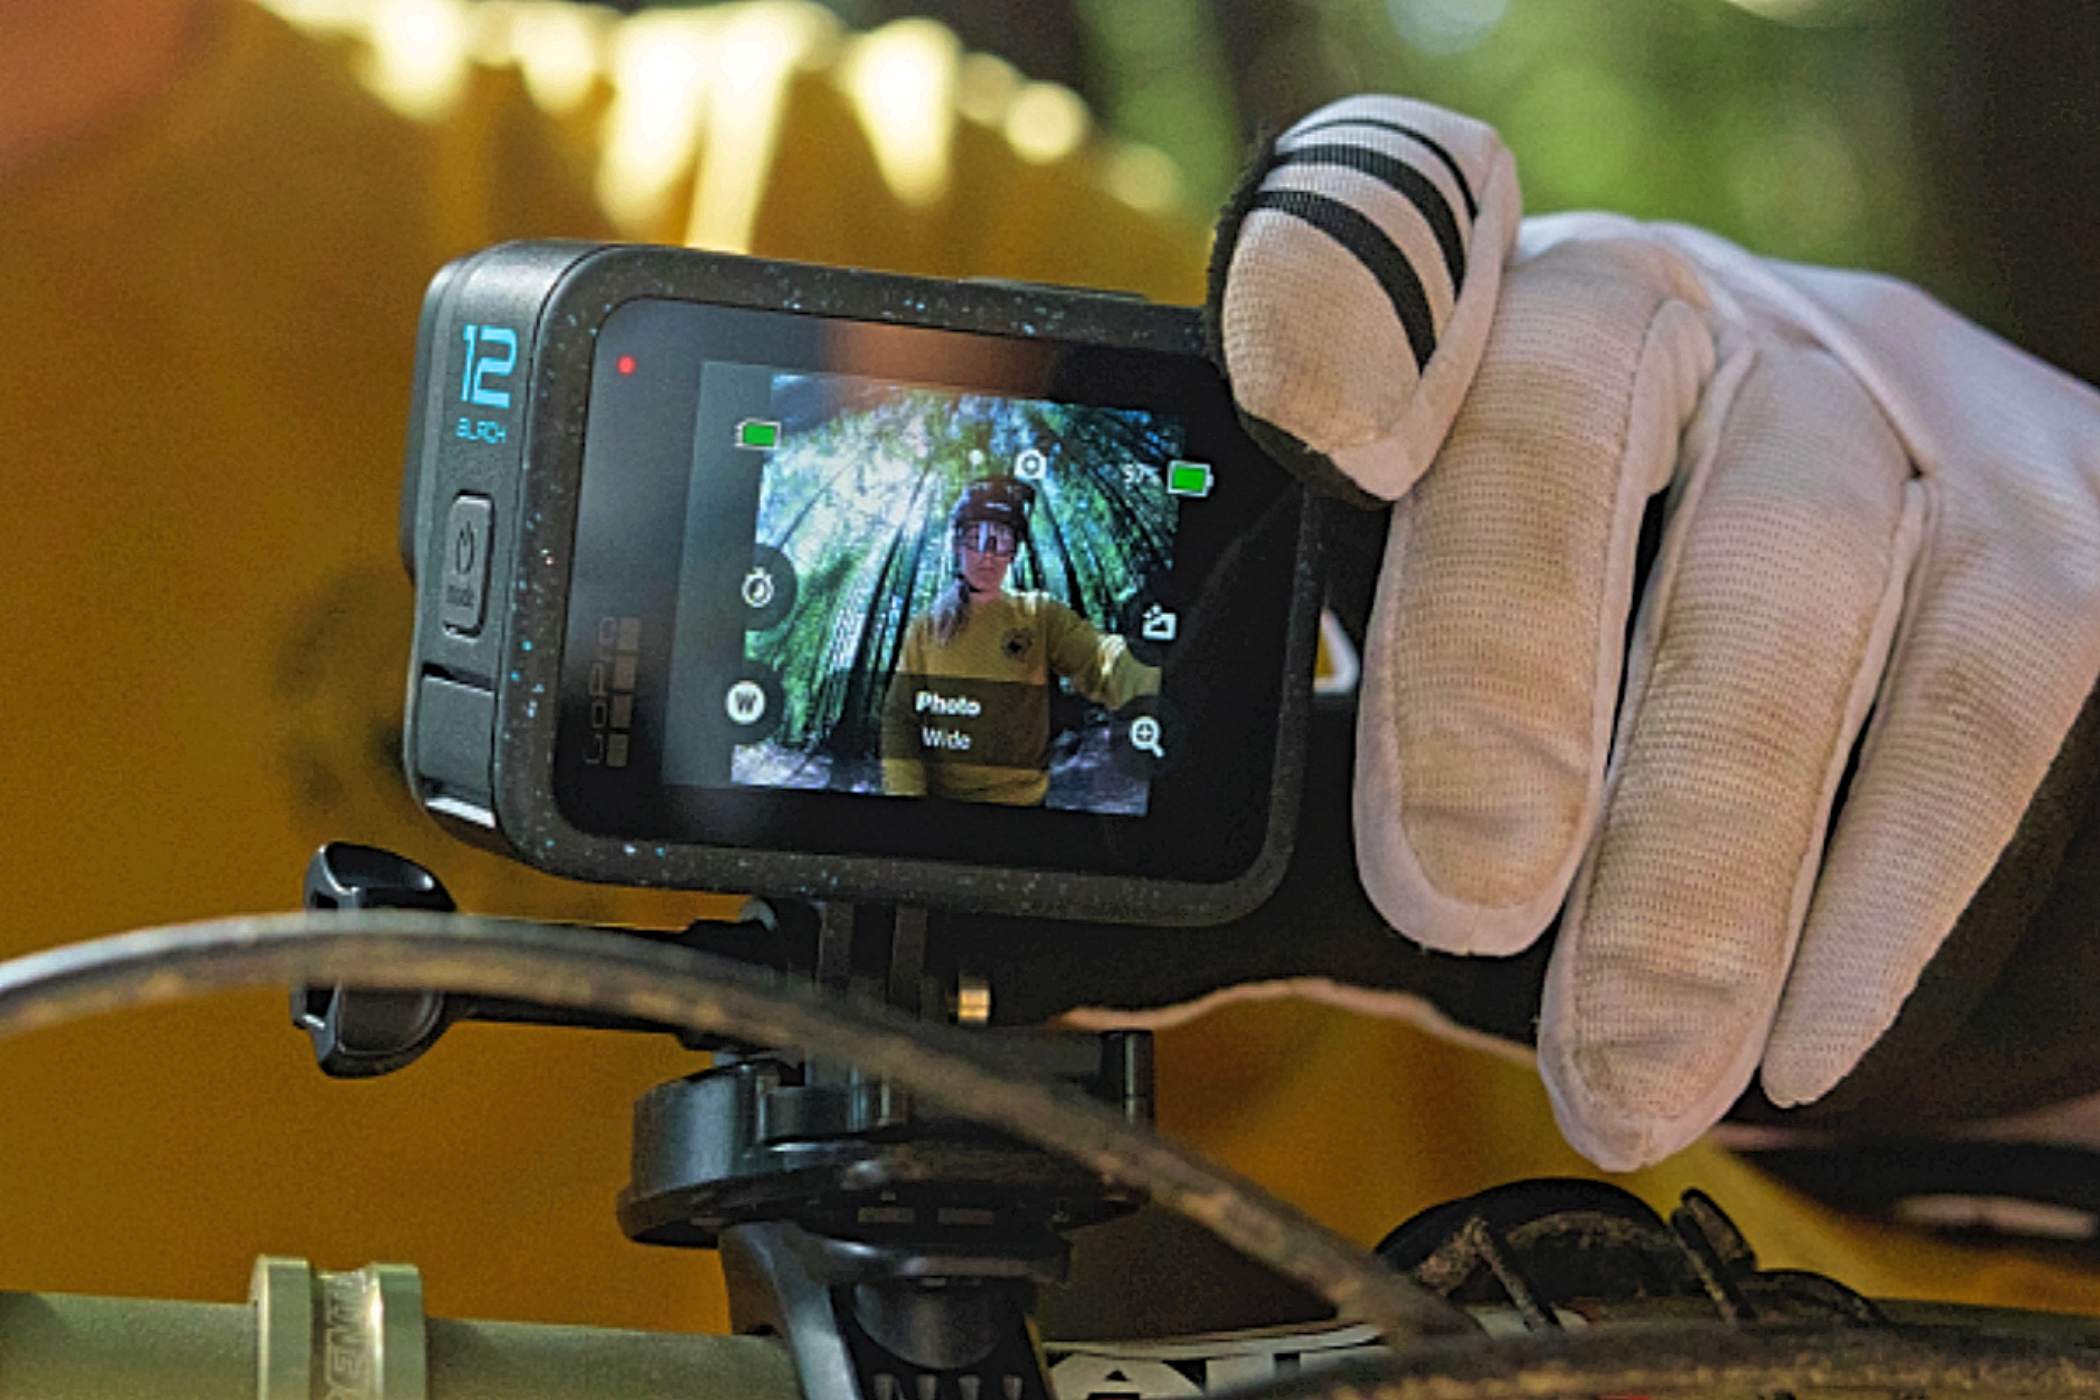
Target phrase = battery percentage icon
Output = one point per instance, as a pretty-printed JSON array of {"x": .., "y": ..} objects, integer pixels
[
  {"x": 1188, "y": 479},
  {"x": 758, "y": 434}
]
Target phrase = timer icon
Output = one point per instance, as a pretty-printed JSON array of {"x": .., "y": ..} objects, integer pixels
[{"x": 767, "y": 589}]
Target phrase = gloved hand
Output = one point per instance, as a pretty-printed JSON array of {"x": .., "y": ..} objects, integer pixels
[{"x": 1882, "y": 549}]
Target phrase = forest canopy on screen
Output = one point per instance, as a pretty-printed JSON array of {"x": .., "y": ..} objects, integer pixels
[{"x": 857, "y": 498}]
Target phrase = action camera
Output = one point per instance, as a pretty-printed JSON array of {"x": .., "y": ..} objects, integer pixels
[{"x": 816, "y": 583}]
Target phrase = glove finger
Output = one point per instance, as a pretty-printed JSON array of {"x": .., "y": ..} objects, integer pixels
[
  {"x": 1353, "y": 282},
  {"x": 1998, "y": 653},
  {"x": 1766, "y": 626},
  {"x": 1493, "y": 656},
  {"x": 1964, "y": 730}
]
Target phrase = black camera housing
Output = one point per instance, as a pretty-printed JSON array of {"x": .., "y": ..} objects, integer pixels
[{"x": 587, "y": 478}]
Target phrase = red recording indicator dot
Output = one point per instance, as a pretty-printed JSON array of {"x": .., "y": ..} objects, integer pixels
[{"x": 625, "y": 364}]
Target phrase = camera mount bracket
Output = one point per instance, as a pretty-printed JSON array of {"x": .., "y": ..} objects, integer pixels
[{"x": 896, "y": 1247}]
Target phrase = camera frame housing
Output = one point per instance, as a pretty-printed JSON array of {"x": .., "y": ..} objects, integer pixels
[{"x": 489, "y": 529}]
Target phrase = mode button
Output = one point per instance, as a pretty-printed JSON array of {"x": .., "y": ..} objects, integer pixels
[{"x": 464, "y": 584}]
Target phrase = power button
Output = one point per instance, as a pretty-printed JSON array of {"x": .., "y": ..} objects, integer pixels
[{"x": 464, "y": 584}]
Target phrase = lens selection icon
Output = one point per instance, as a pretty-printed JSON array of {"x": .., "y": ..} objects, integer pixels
[
  {"x": 1031, "y": 465},
  {"x": 745, "y": 703},
  {"x": 752, "y": 701}
]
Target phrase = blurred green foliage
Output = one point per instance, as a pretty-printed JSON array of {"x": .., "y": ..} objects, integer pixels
[
  {"x": 1787, "y": 129},
  {"x": 1952, "y": 142},
  {"x": 1161, "y": 69}
]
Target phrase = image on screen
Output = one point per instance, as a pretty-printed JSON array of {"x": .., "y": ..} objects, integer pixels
[{"x": 955, "y": 593}]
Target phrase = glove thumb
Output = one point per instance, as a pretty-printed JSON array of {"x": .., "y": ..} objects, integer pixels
[{"x": 1352, "y": 283}]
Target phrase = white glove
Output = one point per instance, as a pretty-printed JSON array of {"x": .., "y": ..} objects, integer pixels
[{"x": 1879, "y": 516}]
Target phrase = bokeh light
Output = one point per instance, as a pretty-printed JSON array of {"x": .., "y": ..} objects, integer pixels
[{"x": 1445, "y": 26}]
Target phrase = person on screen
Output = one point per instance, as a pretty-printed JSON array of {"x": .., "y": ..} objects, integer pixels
[{"x": 968, "y": 710}]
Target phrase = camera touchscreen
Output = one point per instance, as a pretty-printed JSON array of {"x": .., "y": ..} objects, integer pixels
[
  {"x": 896, "y": 590},
  {"x": 938, "y": 584}
]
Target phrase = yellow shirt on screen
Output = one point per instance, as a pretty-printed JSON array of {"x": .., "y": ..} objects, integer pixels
[{"x": 987, "y": 738}]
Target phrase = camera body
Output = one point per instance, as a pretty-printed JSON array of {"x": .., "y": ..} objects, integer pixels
[{"x": 818, "y": 583}]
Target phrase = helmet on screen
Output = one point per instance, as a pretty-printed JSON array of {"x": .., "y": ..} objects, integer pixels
[{"x": 992, "y": 514}]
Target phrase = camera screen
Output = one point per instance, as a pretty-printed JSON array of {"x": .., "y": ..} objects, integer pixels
[
  {"x": 949, "y": 593},
  {"x": 841, "y": 586}
]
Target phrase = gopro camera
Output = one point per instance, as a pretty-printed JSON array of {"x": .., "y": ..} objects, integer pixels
[{"x": 817, "y": 583}]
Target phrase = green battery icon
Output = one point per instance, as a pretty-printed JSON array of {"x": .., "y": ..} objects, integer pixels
[
  {"x": 1188, "y": 479},
  {"x": 758, "y": 434}
]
